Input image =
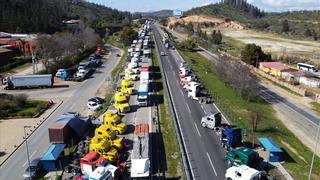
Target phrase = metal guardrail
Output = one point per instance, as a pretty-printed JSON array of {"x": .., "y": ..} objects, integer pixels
[{"x": 178, "y": 133}]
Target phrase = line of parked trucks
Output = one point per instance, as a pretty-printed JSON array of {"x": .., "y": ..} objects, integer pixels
[
  {"x": 241, "y": 160},
  {"x": 47, "y": 80}
]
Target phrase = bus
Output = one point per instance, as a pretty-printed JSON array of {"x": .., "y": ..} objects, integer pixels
[{"x": 307, "y": 67}]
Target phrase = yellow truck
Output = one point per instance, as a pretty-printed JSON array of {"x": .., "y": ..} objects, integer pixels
[
  {"x": 107, "y": 133},
  {"x": 127, "y": 86},
  {"x": 113, "y": 121},
  {"x": 104, "y": 148},
  {"x": 121, "y": 102},
  {"x": 129, "y": 75}
]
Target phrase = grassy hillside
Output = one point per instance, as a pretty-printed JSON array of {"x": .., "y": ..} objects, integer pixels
[
  {"x": 47, "y": 15},
  {"x": 301, "y": 24}
]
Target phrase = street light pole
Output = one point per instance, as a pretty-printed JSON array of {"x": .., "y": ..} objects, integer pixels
[
  {"x": 25, "y": 135},
  {"x": 314, "y": 152}
]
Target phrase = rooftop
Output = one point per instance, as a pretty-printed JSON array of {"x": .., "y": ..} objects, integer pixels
[
  {"x": 269, "y": 144},
  {"x": 274, "y": 65}
]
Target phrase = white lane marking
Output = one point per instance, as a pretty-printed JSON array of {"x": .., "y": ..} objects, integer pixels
[
  {"x": 30, "y": 158},
  {"x": 188, "y": 108},
  {"x": 212, "y": 164},
  {"x": 290, "y": 108},
  {"x": 197, "y": 129}
]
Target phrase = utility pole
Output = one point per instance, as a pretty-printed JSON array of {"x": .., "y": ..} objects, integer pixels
[
  {"x": 34, "y": 61},
  {"x": 25, "y": 135},
  {"x": 314, "y": 152}
]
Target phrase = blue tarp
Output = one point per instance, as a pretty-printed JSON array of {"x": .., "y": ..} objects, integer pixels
[
  {"x": 77, "y": 123},
  {"x": 269, "y": 144},
  {"x": 53, "y": 152},
  {"x": 49, "y": 159}
]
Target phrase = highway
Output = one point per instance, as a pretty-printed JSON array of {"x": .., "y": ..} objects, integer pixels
[
  {"x": 204, "y": 152},
  {"x": 38, "y": 142},
  {"x": 301, "y": 121}
]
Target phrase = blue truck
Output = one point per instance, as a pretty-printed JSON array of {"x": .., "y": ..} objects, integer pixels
[
  {"x": 231, "y": 138},
  {"x": 66, "y": 74}
]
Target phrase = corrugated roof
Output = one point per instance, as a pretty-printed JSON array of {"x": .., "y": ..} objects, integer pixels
[
  {"x": 76, "y": 123},
  {"x": 274, "y": 65},
  {"x": 269, "y": 144},
  {"x": 53, "y": 152}
]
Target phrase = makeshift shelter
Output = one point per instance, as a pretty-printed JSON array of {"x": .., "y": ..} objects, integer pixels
[
  {"x": 272, "y": 148},
  {"x": 50, "y": 159}
]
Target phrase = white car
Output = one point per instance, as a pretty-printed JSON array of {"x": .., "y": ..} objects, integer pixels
[
  {"x": 132, "y": 65},
  {"x": 82, "y": 73},
  {"x": 162, "y": 53},
  {"x": 94, "y": 106}
]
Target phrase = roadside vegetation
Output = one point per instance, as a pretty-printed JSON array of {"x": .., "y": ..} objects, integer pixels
[
  {"x": 20, "y": 106},
  {"x": 239, "y": 111},
  {"x": 295, "y": 24},
  {"x": 172, "y": 153},
  {"x": 315, "y": 106}
]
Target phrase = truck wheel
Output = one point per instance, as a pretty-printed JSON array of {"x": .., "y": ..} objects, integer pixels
[
  {"x": 203, "y": 124},
  {"x": 229, "y": 163},
  {"x": 229, "y": 179},
  {"x": 117, "y": 132}
]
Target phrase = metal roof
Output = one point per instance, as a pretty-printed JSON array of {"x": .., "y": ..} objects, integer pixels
[
  {"x": 53, "y": 152},
  {"x": 274, "y": 65},
  {"x": 269, "y": 144}
]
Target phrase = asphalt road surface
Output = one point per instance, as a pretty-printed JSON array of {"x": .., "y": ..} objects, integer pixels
[
  {"x": 38, "y": 142},
  {"x": 204, "y": 152}
]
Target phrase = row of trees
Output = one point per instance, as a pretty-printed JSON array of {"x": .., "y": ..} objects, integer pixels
[
  {"x": 127, "y": 35},
  {"x": 58, "y": 50},
  {"x": 252, "y": 54},
  {"x": 238, "y": 77},
  {"x": 244, "y": 6}
]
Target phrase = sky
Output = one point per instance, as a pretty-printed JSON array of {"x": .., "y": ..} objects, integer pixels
[{"x": 154, "y": 5}]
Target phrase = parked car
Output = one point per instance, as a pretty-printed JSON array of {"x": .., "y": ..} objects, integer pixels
[
  {"x": 98, "y": 100},
  {"x": 35, "y": 168},
  {"x": 93, "y": 106},
  {"x": 162, "y": 53},
  {"x": 82, "y": 73}
]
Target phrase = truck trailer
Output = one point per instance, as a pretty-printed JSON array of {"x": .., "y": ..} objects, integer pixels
[
  {"x": 143, "y": 93},
  {"x": 27, "y": 81}
]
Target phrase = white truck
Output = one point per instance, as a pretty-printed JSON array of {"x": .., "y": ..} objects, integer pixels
[
  {"x": 197, "y": 92},
  {"x": 103, "y": 173},
  {"x": 244, "y": 172},
  {"x": 143, "y": 93},
  {"x": 140, "y": 162},
  {"x": 211, "y": 121},
  {"x": 27, "y": 81},
  {"x": 145, "y": 76}
]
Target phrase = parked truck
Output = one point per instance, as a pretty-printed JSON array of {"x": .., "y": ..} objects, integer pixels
[
  {"x": 244, "y": 172},
  {"x": 121, "y": 102},
  {"x": 59, "y": 133},
  {"x": 143, "y": 93},
  {"x": 197, "y": 92},
  {"x": 66, "y": 74},
  {"x": 242, "y": 156},
  {"x": 231, "y": 138},
  {"x": 104, "y": 148},
  {"x": 27, "y": 81},
  {"x": 211, "y": 121},
  {"x": 127, "y": 86}
]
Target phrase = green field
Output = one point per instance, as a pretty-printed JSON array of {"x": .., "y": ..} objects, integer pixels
[
  {"x": 173, "y": 157},
  {"x": 20, "y": 106},
  {"x": 315, "y": 106},
  {"x": 298, "y": 156},
  {"x": 232, "y": 46}
]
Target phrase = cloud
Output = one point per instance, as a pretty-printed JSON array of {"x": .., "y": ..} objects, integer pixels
[{"x": 291, "y": 3}]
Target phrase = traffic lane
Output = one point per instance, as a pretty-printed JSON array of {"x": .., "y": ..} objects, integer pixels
[
  {"x": 212, "y": 153},
  {"x": 200, "y": 159},
  {"x": 39, "y": 141},
  {"x": 197, "y": 112},
  {"x": 196, "y": 150}
]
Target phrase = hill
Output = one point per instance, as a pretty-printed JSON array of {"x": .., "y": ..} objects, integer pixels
[
  {"x": 24, "y": 16},
  {"x": 301, "y": 24},
  {"x": 157, "y": 14}
]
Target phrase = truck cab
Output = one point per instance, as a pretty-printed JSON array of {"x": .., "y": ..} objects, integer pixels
[
  {"x": 143, "y": 93},
  {"x": 90, "y": 161},
  {"x": 211, "y": 121},
  {"x": 242, "y": 156},
  {"x": 113, "y": 121},
  {"x": 231, "y": 138},
  {"x": 121, "y": 102},
  {"x": 193, "y": 89},
  {"x": 104, "y": 148},
  {"x": 127, "y": 86},
  {"x": 129, "y": 75},
  {"x": 244, "y": 172},
  {"x": 108, "y": 133}
]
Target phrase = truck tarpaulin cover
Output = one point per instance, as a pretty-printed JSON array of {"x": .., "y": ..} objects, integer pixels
[{"x": 76, "y": 123}]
